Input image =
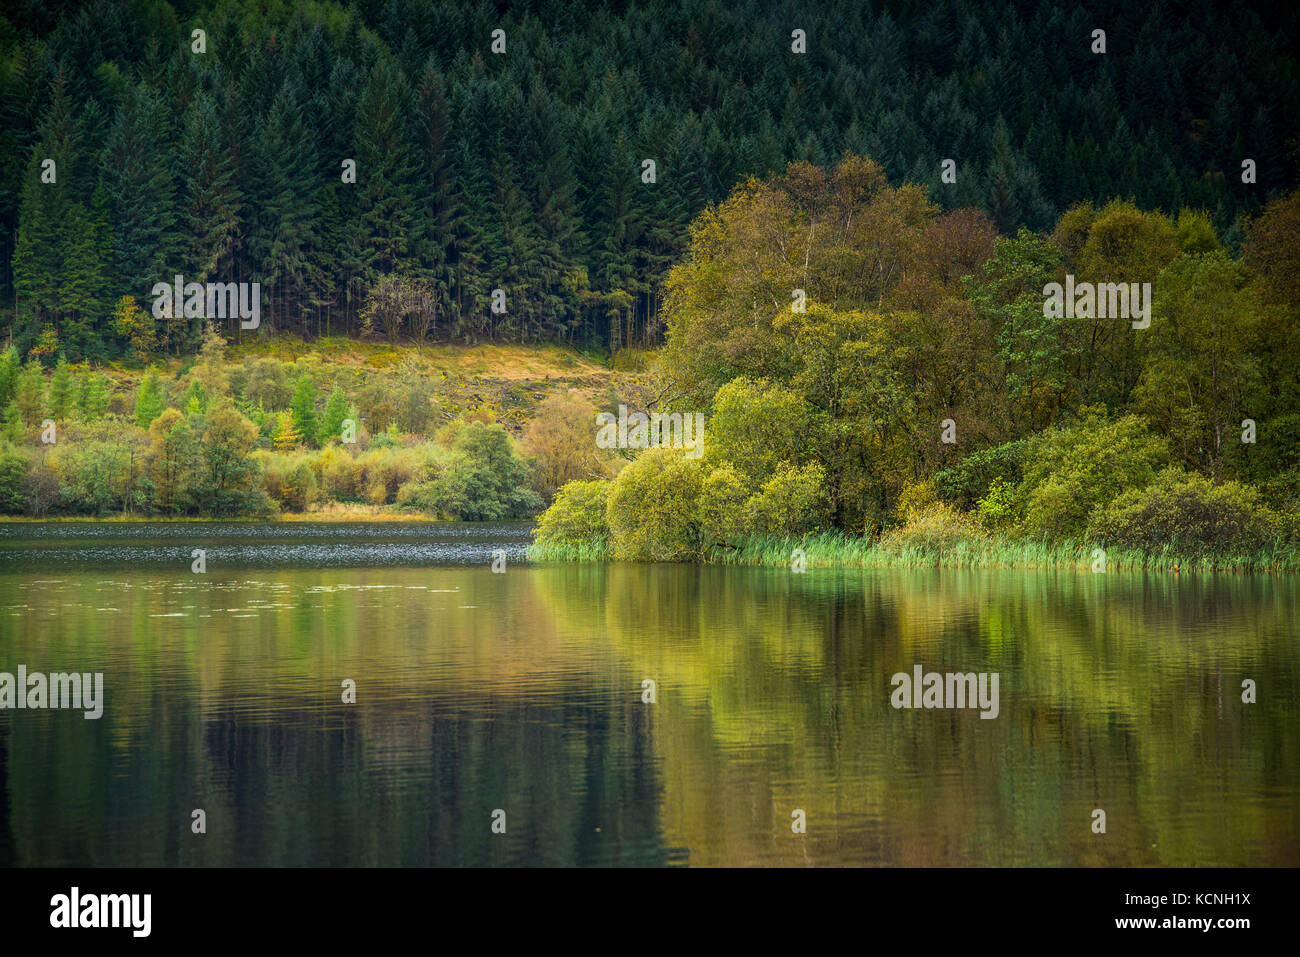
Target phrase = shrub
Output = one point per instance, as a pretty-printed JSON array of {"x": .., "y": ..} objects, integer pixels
[
  {"x": 288, "y": 480},
  {"x": 997, "y": 507},
  {"x": 723, "y": 516},
  {"x": 1188, "y": 513},
  {"x": 483, "y": 479},
  {"x": 1069, "y": 472},
  {"x": 652, "y": 508},
  {"x": 791, "y": 502},
  {"x": 932, "y": 531},
  {"x": 916, "y": 496},
  {"x": 576, "y": 517},
  {"x": 965, "y": 483},
  {"x": 562, "y": 437},
  {"x": 13, "y": 468}
]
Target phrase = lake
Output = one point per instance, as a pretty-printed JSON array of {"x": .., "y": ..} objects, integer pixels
[{"x": 522, "y": 692}]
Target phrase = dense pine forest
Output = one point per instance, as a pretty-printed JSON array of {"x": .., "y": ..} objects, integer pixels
[{"x": 516, "y": 161}]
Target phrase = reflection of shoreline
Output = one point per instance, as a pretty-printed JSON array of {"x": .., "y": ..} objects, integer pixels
[{"x": 773, "y": 694}]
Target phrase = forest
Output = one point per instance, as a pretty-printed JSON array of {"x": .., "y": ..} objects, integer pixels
[
  {"x": 829, "y": 234},
  {"x": 516, "y": 162},
  {"x": 893, "y": 381}
]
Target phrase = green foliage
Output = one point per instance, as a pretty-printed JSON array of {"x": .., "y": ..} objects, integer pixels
[
  {"x": 195, "y": 399},
  {"x": 1201, "y": 367},
  {"x": 228, "y": 484},
  {"x": 540, "y": 193},
  {"x": 756, "y": 425},
  {"x": 12, "y": 429},
  {"x": 30, "y": 394},
  {"x": 92, "y": 396},
  {"x": 1190, "y": 514},
  {"x": 791, "y": 502},
  {"x": 62, "y": 390},
  {"x": 997, "y": 508},
  {"x": 576, "y": 517},
  {"x": 10, "y": 370},
  {"x": 1038, "y": 352},
  {"x": 931, "y": 532},
  {"x": 337, "y": 410},
  {"x": 1070, "y": 471},
  {"x": 972, "y": 478},
  {"x": 149, "y": 400},
  {"x": 304, "y": 410},
  {"x": 483, "y": 480},
  {"x": 13, "y": 469},
  {"x": 652, "y": 508},
  {"x": 721, "y": 510}
]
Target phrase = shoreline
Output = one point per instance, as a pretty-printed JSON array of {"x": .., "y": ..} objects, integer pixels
[
  {"x": 290, "y": 518},
  {"x": 823, "y": 550},
  {"x": 835, "y": 550}
]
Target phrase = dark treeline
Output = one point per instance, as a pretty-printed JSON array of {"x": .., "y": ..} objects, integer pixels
[{"x": 523, "y": 170}]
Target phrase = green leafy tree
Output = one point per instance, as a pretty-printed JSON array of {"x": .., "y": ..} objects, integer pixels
[
  {"x": 576, "y": 517},
  {"x": 1070, "y": 471},
  {"x": 652, "y": 508},
  {"x": 1202, "y": 372}
]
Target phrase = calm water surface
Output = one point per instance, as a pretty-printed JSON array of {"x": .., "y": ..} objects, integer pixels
[{"x": 522, "y": 691}]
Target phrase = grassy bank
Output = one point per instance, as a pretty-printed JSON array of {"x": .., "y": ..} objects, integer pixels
[{"x": 835, "y": 549}]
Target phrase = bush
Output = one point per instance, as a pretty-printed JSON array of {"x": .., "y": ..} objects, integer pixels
[
  {"x": 289, "y": 480},
  {"x": 483, "y": 479},
  {"x": 1190, "y": 514},
  {"x": 652, "y": 508},
  {"x": 792, "y": 502},
  {"x": 970, "y": 480},
  {"x": 576, "y": 517},
  {"x": 339, "y": 475},
  {"x": 562, "y": 438},
  {"x": 13, "y": 468},
  {"x": 932, "y": 531},
  {"x": 997, "y": 507},
  {"x": 1069, "y": 472},
  {"x": 721, "y": 510}
]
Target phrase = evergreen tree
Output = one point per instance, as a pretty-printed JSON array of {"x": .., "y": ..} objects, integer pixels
[
  {"x": 10, "y": 369},
  {"x": 337, "y": 409},
  {"x": 304, "y": 410},
  {"x": 212, "y": 220},
  {"x": 30, "y": 393},
  {"x": 62, "y": 390},
  {"x": 92, "y": 396},
  {"x": 138, "y": 180},
  {"x": 149, "y": 400}
]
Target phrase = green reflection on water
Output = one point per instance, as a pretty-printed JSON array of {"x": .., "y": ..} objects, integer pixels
[{"x": 522, "y": 691}]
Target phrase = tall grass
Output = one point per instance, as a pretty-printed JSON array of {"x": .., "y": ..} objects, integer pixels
[
  {"x": 836, "y": 549},
  {"x": 593, "y": 551},
  {"x": 841, "y": 550}
]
